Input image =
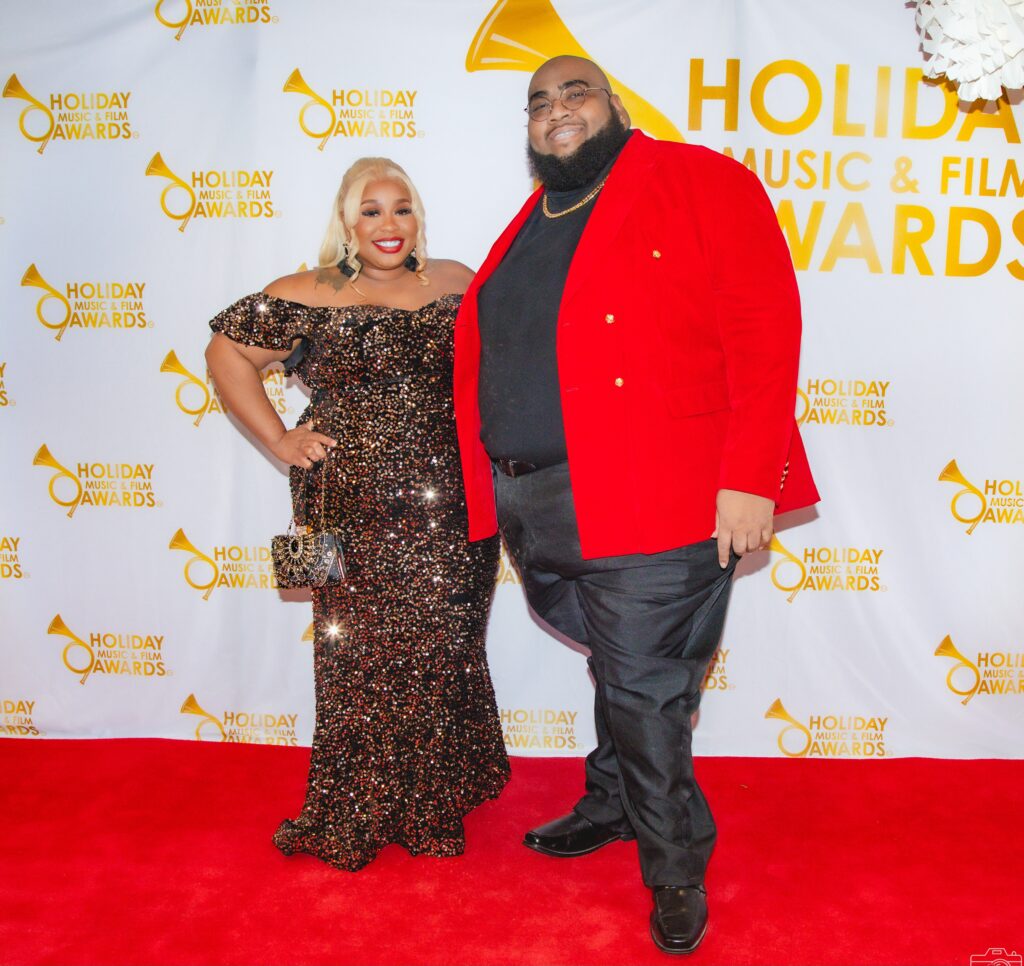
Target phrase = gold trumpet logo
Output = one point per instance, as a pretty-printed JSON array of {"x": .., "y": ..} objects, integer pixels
[
  {"x": 58, "y": 627},
  {"x": 180, "y": 542},
  {"x": 947, "y": 649},
  {"x": 157, "y": 167},
  {"x": 44, "y": 457},
  {"x": 172, "y": 364},
  {"x": 14, "y": 88},
  {"x": 507, "y": 573},
  {"x": 181, "y": 24},
  {"x": 32, "y": 279},
  {"x": 308, "y": 634},
  {"x": 523, "y": 34},
  {"x": 296, "y": 84},
  {"x": 191, "y": 706},
  {"x": 803, "y": 406},
  {"x": 787, "y": 558},
  {"x": 951, "y": 474},
  {"x": 778, "y": 711}
]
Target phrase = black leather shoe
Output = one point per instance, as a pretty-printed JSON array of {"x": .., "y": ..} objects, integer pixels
[
  {"x": 679, "y": 919},
  {"x": 572, "y": 835}
]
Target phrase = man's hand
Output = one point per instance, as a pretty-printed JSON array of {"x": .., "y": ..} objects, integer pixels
[{"x": 743, "y": 522}]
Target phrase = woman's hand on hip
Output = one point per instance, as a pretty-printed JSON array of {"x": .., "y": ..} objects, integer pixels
[{"x": 302, "y": 446}]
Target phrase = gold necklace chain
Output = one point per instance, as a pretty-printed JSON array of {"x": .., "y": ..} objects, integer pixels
[
  {"x": 576, "y": 207},
  {"x": 359, "y": 291}
]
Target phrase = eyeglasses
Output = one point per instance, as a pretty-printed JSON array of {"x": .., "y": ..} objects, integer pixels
[{"x": 572, "y": 99}]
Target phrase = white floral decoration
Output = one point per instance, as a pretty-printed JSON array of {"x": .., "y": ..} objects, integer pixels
[{"x": 976, "y": 44}]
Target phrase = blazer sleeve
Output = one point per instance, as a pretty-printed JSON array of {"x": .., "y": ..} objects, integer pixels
[{"x": 758, "y": 318}]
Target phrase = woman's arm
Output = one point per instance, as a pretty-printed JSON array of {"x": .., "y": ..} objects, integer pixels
[{"x": 235, "y": 369}]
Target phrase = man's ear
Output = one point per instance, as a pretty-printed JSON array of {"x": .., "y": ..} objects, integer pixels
[{"x": 619, "y": 108}]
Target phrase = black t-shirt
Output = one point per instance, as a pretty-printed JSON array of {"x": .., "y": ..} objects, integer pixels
[{"x": 517, "y": 308}]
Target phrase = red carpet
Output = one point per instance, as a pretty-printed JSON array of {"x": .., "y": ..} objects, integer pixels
[{"x": 142, "y": 852}]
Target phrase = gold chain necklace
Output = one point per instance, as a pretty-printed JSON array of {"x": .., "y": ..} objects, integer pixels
[
  {"x": 576, "y": 207},
  {"x": 359, "y": 291}
]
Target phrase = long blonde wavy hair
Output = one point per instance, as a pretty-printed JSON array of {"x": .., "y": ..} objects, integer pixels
[{"x": 340, "y": 240}]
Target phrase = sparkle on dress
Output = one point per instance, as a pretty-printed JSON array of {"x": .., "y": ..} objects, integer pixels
[{"x": 407, "y": 738}]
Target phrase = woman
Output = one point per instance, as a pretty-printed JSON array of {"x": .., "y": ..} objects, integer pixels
[{"x": 407, "y": 738}]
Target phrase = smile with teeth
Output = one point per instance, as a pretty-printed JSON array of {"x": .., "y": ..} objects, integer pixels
[
  {"x": 389, "y": 245},
  {"x": 565, "y": 132}
]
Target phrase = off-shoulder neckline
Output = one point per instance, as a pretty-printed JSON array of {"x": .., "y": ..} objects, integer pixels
[{"x": 355, "y": 305}]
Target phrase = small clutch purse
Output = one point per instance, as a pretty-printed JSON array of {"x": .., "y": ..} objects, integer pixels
[
  {"x": 304, "y": 558},
  {"x": 308, "y": 556}
]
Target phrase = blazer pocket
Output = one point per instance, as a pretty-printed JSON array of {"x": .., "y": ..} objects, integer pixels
[{"x": 692, "y": 400}]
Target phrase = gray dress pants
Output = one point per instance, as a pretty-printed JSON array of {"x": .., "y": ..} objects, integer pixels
[{"x": 652, "y": 623}]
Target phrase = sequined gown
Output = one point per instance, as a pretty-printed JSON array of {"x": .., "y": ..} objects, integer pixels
[{"x": 407, "y": 738}]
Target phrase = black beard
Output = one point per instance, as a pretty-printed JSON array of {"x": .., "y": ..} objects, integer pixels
[{"x": 584, "y": 164}]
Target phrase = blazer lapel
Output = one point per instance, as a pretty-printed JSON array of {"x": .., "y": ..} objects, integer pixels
[{"x": 610, "y": 209}]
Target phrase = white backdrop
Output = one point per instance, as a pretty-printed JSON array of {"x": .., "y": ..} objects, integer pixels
[{"x": 160, "y": 162}]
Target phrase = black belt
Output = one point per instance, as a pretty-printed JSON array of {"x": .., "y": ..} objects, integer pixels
[{"x": 515, "y": 468}]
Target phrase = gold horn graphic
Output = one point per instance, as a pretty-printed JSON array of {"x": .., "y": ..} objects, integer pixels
[
  {"x": 947, "y": 649},
  {"x": 44, "y": 457},
  {"x": 158, "y": 167},
  {"x": 803, "y": 404},
  {"x": 787, "y": 557},
  {"x": 180, "y": 542},
  {"x": 296, "y": 84},
  {"x": 14, "y": 88},
  {"x": 180, "y": 24},
  {"x": 191, "y": 706},
  {"x": 523, "y": 34},
  {"x": 172, "y": 364},
  {"x": 308, "y": 634},
  {"x": 33, "y": 279},
  {"x": 58, "y": 627},
  {"x": 951, "y": 474},
  {"x": 778, "y": 711}
]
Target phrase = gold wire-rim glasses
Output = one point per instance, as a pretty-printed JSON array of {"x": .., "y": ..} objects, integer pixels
[{"x": 572, "y": 99}]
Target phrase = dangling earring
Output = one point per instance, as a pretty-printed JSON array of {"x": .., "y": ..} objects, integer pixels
[
  {"x": 350, "y": 273},
  {"x": 412, "y": 263},
  {"x": 347, "y": 270}
]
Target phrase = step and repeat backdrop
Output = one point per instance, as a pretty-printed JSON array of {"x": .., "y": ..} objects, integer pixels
[{"x": 160, "y": 161}]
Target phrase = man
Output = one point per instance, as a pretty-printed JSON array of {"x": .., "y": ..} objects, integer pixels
[{"x": 625, "y": 383}]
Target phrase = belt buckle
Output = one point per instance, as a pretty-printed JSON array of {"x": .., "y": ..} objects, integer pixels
[{"x": 514, "y": 468}]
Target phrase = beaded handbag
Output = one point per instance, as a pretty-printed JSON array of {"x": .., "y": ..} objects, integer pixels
[{"x": 308, "y": 555}]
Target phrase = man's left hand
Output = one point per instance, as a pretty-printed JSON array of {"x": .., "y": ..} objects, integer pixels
[{"x": 743, "y": 522}]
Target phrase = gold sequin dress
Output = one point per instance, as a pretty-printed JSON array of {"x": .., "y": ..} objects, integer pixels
[{"x": 407, "y": 738}]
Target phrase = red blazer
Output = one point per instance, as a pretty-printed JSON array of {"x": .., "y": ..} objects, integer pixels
[{"x": 678, "y": 345}]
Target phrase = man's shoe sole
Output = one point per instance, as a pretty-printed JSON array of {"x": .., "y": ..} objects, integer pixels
[
  {"x": 675, "y": 950},
  {"x": 570, "y": 855}
]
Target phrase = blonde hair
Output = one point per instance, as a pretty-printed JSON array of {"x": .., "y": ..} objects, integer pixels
[{"x": 340, "y": 240}]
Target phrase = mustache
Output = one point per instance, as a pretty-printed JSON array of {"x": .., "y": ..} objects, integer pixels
[{"x": 583, "y": 165}]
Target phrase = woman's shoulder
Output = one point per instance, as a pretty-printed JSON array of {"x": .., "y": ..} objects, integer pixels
[
  {"x": 449, "y": 274},
  {"x": 295, "y": 288}
]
